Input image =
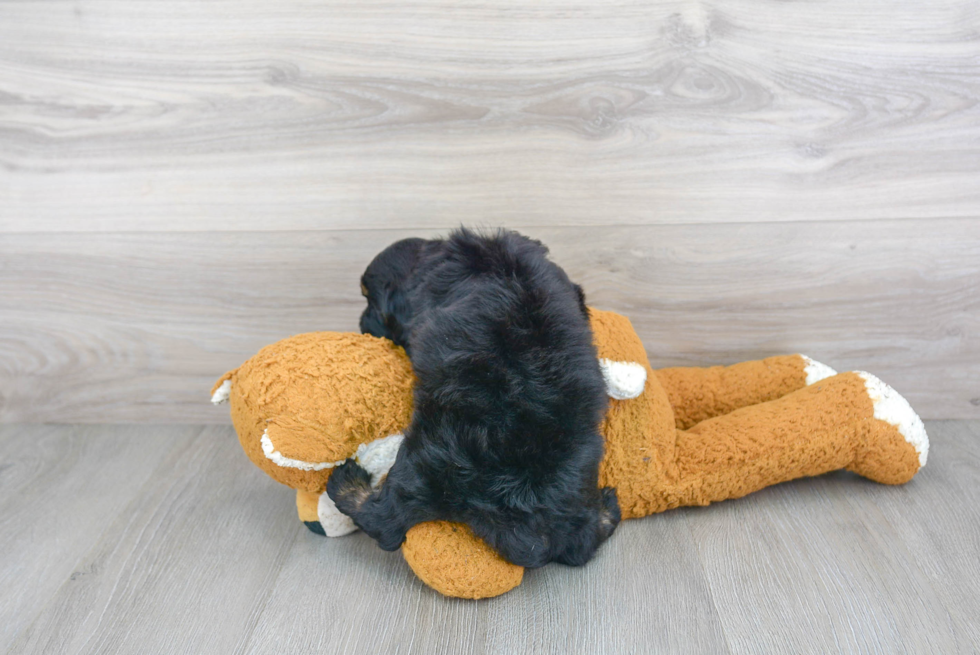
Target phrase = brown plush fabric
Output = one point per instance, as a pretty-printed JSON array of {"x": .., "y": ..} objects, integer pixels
[
  {"x": 320, "y": 395},
  {"x": 883, "y": 454},
  {"x": 802, "y": 431},
  {"x": 307, "y": 505},
  {"x": 639, "y": 432},
  {"x": 697, "y": 394},
  {"x": 814, "y": 430},
  {"x": 451, "y": 560},
  {"x": 808, "y": 432},
  {"x": 750, "y": 425}
]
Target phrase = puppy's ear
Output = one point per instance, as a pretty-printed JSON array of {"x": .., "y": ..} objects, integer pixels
[
  {"x": 383, "y": 284},
  {"x": 387, "y": 315},
  {"x": 396, "y": 313}
]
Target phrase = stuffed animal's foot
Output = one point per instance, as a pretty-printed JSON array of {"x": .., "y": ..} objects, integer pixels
[
  {"x": 893, "y": 444},
  {"x": 452, "y": 560},
  {"x": 334, "y": 522},
  {"x": 847, "y": 421},
  {"x": 315, "y": 527},
  {"x": 321, "y": 516}
]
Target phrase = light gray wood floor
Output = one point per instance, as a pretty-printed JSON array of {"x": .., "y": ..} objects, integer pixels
[{"x": 165, "y": 539}]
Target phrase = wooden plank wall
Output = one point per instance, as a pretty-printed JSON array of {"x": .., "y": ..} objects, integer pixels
[{"x": 183, "y": 182}]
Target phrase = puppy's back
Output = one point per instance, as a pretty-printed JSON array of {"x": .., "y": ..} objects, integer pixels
[
  {"x": 504, "y": 432},
  {"x": 503, "y": 348}
]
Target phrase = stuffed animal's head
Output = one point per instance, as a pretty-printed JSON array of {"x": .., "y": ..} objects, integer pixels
[{"x": 304, "y": 404}]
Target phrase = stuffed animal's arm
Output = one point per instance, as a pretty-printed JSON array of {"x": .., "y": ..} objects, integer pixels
[
  {"x": 452, "y": 560},
  {"x": 697, "y": 394}
]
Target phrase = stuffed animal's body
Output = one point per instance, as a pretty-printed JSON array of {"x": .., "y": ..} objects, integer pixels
[{"x": 674, "y": 437}]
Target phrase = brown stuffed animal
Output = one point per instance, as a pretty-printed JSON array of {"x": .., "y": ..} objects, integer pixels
[{"x": 674, "y": 437}]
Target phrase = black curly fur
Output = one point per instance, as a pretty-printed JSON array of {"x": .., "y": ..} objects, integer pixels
[{"x": 504, "y": 436}]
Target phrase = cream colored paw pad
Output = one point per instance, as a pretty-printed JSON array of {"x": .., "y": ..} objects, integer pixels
[{"x": 269, "y": 450}]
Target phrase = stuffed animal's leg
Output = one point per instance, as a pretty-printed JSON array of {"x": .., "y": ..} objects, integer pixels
[
  {"x": 306, "y": 507},
  {"x": 851, "y": 420},
  {"x": 697, "y": 394}
]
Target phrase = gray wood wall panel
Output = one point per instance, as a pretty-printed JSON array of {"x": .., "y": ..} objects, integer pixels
[
  {"x": 169, "y": 115},
  {"x": 136, "y": 326},
  {"x": 183, "y": 182}
]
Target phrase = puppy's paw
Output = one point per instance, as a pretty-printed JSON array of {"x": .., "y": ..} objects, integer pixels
[
  {"x": 349, "y": 487},
  {"x": 391, "y": 539},
  {"x": 609, "y": 515}
]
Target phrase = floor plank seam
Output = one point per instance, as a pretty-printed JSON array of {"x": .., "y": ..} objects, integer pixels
[
  {"x": 246, "y": 640},
  {"x": 707, "y": 584}
]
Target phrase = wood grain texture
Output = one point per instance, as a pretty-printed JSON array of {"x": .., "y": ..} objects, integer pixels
[
  {"x": 817, "y": 586},
  {"x": 60, "y": 488},
  {"x": 186, "y": 567},
  {"x": 206, "y": 555},
  {"x": 243, "y": 115},
  {"x": 136, "y": 327},
  {"x": 551, "y": 612},
  {"x": 840, "y": 564},
  {"x": 915, "y": 525}
]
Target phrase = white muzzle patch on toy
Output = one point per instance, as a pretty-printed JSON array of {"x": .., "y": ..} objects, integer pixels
[{"x": 281, "y": 460}]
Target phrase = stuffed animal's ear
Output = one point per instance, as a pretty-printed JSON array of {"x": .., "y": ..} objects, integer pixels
[
  {"x": 222, "y": 388},
  {"x": 388, "y": 315}
]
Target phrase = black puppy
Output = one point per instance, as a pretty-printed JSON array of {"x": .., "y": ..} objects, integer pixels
[
  {"x": 385, "y": 285},
  {"x": 504, "y": 434}
]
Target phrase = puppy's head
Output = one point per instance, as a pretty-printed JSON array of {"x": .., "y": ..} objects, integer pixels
[{"x": 384, "y": 286}]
